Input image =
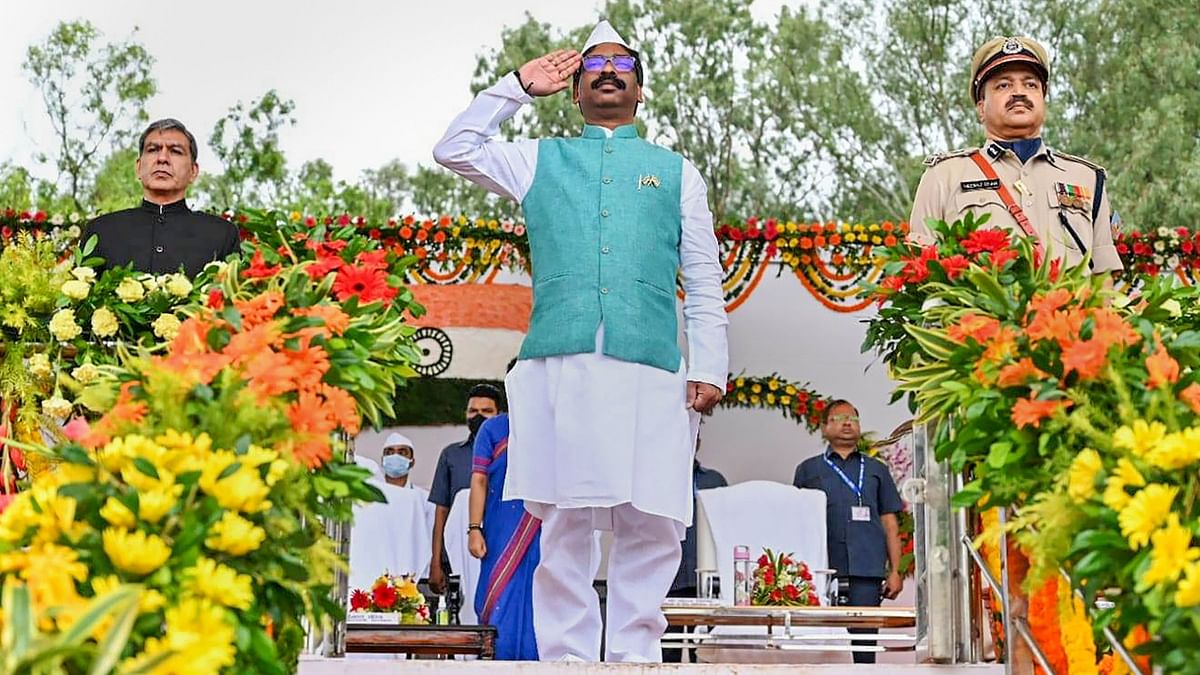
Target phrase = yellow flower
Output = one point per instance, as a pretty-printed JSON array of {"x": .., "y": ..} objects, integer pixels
[
  {"x": 294, "y": 216},
  {"x": 39, "y": 365},
  {"x": 1170, "y": 551},
  {"x": 1126, "y": 474},
  {"x": 115, "y": 513},
  {"x": 790, "y": 390},
  {"x": 1081, "y": 477},
  {"x": 57, "y": 407},
  {"x": 1188, "y": 593},
  {"x": 773, "y": 384},
  {"x": 178, "y": 285},
  {"x": 104, "y": 322},
  {"x": 84, "y": 274},
  {"x": 1141, "y": 438},
  {"x": 234, "y": 535},
  {"x": 183, "y": 453},
  {"x": 156, "y": 503},
  {"x": 63, "y": 326},
  {"x": 756, "y": 388},
  {"x": 754, "y": 400},
  {"x": 1145, "y": 513},
  {"x": 1176, "y": 451},
  {"x": 221, "y": 584},
  {"x": 130, "y": 290},
  {"x": 87, "y": 372},
  {"x": 785, "y": 400},
  {"x": 242, "y": 490},
  {"x": 740, "y": 382},
  {"x": 75, "y": 289},
  {"x": 277, "y": 470},
  {"x": 145, "y": 483},
  {"x": 135, "y": 552},
  {"x": 770, "y": 399},
  {"x": 199, "y": 636},
  {"x": 741, "y": 397},
  {"x": 166, "y": 326},
  {"x": 149, "y": 600}
]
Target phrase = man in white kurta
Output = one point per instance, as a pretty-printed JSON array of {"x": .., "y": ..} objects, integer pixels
[{"x": 603, "y": 407}]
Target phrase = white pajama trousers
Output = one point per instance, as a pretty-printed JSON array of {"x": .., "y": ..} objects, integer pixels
[{"x": 644, "y": 557}]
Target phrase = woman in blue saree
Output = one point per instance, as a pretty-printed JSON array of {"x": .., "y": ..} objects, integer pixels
[{"x": 505, "y": 538}]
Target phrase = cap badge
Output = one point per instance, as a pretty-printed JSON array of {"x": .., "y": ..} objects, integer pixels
[{"x": 1011, "y": 46}]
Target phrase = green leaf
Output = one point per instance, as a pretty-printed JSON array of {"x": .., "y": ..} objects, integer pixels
[{"x": 112, "y": 645}]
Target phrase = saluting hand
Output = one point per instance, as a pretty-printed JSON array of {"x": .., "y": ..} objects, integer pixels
[{"x": 551, "y": 73}]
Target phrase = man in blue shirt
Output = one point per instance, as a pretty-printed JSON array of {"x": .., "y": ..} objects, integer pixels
[
  {"x": 860, "y": 514},
  {"x": 453, "y": 473}
]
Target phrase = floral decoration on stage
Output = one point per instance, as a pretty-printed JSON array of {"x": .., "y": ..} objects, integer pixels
[
  {"x": 1073, "y": 403},
  {"x": 795, "y": 401},
  {"x": 202, "y": 488},
  {"x": 392, "y": 595},
  {"x": 780, "y": 579}
]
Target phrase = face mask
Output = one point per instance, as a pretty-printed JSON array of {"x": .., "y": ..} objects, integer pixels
[
  {"x": 474, "y": 422},
  {"x": 396, "y": 466}
]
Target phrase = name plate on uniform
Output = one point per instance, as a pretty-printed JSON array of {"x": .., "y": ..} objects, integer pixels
[
  {"x": 374, "y": 618},
  {"x": 968, "y": 185}
]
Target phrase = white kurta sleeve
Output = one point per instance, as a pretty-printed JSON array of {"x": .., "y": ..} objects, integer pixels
[
  {"x": 704, "y": 317},
  {"x": 468, "y": 148}
]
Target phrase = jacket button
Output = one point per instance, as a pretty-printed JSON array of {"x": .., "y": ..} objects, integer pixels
[
  {"x": 607, "y": 180},
  {"x": 604, "y": 213},
  {"x": 158, "y": 249},
  {"x": 603, "y": 291},
  {"x": 608, "y": 149},
  {"x": 606, "y": 250}
]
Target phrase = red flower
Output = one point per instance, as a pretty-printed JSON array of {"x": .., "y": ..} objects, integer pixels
[
  {"x": 769, "y": 577},
  {"x": 1002, "y": 258},
  {"x": 385, "y": 596},
  {"x": 990, "y": 240},
  {"x": 955, "y": 265},
  {"x": 736, "y": 234},
  {"x": 763, "y": 560},
  {"x": 791, "y": 592},
  {"x": 216, "y": 299},
  {"x": 310, "y": 221},
  {"x": 259, "y": 269},
  {"x": 776, "y": 596},
  {"x": 323, "y": 266},
  {"x": 367, "y": 283},
  {"x": 372, "y": 259},
  {"x": 360, "y": 600},
  {"x": 343, "y": 219}
]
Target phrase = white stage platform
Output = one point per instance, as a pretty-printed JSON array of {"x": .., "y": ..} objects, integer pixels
[{"x": 360, "y": 665}]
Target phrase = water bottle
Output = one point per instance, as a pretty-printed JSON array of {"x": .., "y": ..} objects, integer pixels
[
  {"x": 743, "y": 576},
  {"x": 443, "y": 611}
]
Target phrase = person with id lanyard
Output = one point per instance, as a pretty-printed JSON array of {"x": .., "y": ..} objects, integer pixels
[{"x": 861, "y": 503}]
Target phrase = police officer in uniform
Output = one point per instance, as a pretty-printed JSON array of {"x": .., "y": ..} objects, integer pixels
[{"x": 1015, "y": 178}]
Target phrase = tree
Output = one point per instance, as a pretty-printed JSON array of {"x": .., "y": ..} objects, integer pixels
[
  {"x": 246, "y": 140},
  {"x": 95, "y": 95},
  {"x": 16, "y": 187},
  {"x": 116, "y": 185}
]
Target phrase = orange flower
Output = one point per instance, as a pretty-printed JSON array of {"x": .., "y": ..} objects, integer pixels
[
  {"x": 1062, "y": 326},
  {"x": 1191, "y": 396},
  {"x": 259, "y": 309},
  {"x": 1017, "y": 374},
  {"x": 1111, "y": 329},
  {"x": 336, "y": 321},
  {"x": 1029, "y": 412},
  {"x": 247, "y": 345},
  {"x": 1045, "y": 626},
  {"x": 342, "y": 408},
  {"x": 271, "y": 374},
  {"x": 1086, "y": 357},
  {"x": 1162, "y": 368},
  {"x": 1001, "y": 345},
  {"x": 192, "y": 337},
  {"x": 1045, "y": 304},
  {"x": 309, "y": 365},
  {"x": 308, "y": 414},
  {"x": 979, "y": 328}
]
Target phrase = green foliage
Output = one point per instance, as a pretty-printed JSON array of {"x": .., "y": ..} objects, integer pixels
[
  {"x": 246, "y": 140},
  {"x": 432, "y": 401},
  {"x": 116, "y": 185},
  {"x": 95, "y": 96}
]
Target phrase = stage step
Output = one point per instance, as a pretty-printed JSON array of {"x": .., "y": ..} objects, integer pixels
[{"x": 361, "y": 664}]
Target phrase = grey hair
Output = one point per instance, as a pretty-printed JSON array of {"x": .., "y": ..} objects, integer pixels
[{"x": 166, "y": 124}]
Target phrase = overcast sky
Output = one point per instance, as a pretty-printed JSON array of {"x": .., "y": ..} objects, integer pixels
[{"x": 372, "y": 80}]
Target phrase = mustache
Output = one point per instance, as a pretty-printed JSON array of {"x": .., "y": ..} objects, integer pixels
[
  {"x": 608, "y": 77},
  {"x": 1018, "y": 100}
]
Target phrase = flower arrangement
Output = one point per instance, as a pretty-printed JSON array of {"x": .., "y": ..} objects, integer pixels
[
  {"x": 781, "y": 580},
  {"x": 1074, "y": 404},
  {"x": 392, "y": 595},
  {"x": 796, "y": 401}
]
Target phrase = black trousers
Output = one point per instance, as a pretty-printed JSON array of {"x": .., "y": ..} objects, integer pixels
[
  {"x": 865, "y": 592},
  {"x": 676, "y": 655}
]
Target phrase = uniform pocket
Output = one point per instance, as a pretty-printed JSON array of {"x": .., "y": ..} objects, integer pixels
[{"x": 1072, "y": 225}]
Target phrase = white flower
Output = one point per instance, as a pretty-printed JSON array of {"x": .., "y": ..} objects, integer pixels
[
  {"x": 166, "y": 326},
  {"x": 63, "y": 326},
  {"x": 130, "y": 290},
  {"x": 84, "y": 274},
  {"x": 57, "y": 407},
  {"x": 73, "y": 217},
  {"x": 104, "y": 322},
  {"x": 1159, "y": 260},
  {"x": 57, "y": 219},
  {"x": 1173, "y": 261},
  {"x": 178, "y": 285},
  {"x": 152, "y": 283},
  {"x": 86, "y": 373},
  {"x": 1160, "y": 246},
  {"x": 75, "y": 289},
  {"x": 1164, "y": 232},
  {"x": 39, "y": 365},
  {"x": 73, "y": 231}
]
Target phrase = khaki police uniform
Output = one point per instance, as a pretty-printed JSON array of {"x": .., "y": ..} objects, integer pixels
[
  {"x": 1050, "y": 188},
  {"x": 1062, "y": 196}
]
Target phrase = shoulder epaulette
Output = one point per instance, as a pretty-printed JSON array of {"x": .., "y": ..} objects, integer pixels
[
  {"x": 1058, "y": 154},
  {"x": 934, "y": 159}
]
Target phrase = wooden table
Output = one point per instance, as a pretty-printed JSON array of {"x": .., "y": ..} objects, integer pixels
[
  {"x": 780, "y": 623},
  {"x": 422, "y": 640}
]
